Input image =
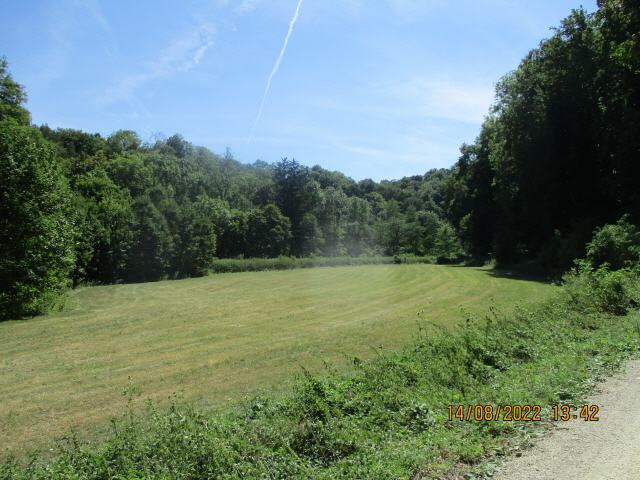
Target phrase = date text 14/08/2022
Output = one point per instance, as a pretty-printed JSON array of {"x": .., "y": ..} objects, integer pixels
[{"x": 522, "y": 413}]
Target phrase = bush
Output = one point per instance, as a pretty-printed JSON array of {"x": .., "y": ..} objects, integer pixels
[
  {"x": 616, "y": 245},
  {"x": 601, "y": 290},
  {"x": 231, "y": 265}
]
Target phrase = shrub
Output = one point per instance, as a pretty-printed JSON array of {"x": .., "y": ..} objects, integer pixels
[
  {"x": 601, "y": 290},
  {"x": 616, "y": 245},
  {"x": 232, "y": 265}
]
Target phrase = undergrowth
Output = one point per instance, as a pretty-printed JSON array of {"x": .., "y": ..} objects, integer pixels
[
  {"x": 388, "y": 418},
  {"x": 229, "y": 265}
]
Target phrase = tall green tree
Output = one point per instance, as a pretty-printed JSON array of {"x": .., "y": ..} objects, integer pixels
[
  {"x": 152, "y": 250},
  {"x": 311, "y": 235},
  {"x": 296, "y": 194},
  {"x": 559, "y": 152},
  {"x": 106, "y": 228},
  {"x": 358, "y": 230},
  {"x": 332, "y": 211},
  {"x": 12, "y": 97},
  {"x": 268, "y": 232},
  {"x": 196, "y": 247},
  {"x": 37, "y": 231}
]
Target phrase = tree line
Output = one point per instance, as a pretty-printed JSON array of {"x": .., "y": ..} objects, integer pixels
[
  {"x": 557, "y": 156},
  {"x": 81, "y": 208},
  {"x": 559, "y": 153}
]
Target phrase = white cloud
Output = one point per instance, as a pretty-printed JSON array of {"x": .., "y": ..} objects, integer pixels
[
  {"x": 247, "y": 6},
  {"x": 362, "y": 149},
  {"x": 417, "y": 98},
  {"x": 462, "y": 102},
  {"x": 183, "y": 54},
  {"x": 414, "y": 8},
  {"x": 93, "y": 7},
  {"x": 66, "y": 19},
  {"x": 418, "y": 150}
]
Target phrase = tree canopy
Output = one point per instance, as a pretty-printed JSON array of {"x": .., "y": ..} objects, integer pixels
[{"x": 558, "y": 154}]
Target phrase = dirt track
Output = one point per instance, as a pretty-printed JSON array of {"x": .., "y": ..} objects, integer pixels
[{"x": 608, "y": 449}]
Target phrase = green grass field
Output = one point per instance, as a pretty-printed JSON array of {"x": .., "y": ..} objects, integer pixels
[{"x": 218, "y": 338}]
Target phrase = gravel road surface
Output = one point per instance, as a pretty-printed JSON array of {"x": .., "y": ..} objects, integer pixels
[{"x": 607, "y": 449}]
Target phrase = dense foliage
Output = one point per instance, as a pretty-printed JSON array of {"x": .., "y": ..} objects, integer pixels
[
  {"x": 560, "y": 152},
  {"x": 615, "y": 245},
  {"x": 388, "y": 418},
  {"x": 37, "y": 231},
  {"x": 168, "y": 209},
  {"x": 141, "y": 212}
]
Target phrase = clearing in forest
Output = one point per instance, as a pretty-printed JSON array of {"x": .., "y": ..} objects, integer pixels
[{"x": 217, "y": 338}]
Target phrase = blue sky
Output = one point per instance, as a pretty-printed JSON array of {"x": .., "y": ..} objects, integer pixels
[{"x": 375, "y": 89}]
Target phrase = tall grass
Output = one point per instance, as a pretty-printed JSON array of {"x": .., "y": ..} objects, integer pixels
[
  {"x": 229, "y": 265},
  {"x": 389, "y": 417}
]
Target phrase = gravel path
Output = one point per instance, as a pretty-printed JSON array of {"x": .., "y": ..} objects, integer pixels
[{"x": 608, "y": 449}]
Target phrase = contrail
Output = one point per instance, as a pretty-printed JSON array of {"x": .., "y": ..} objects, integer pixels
[{"x": 274, "y": 70}]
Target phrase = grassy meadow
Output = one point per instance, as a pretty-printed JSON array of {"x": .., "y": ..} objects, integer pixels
[{"x": 218, "y": 338}]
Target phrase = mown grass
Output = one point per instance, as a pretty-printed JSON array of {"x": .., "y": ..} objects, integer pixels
[
  {"x": 389, "y": 417},
  {"x": 215, "y": 339}
]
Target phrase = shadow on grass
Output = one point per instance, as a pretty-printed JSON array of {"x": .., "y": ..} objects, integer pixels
[{"x": 509, "y": 273}]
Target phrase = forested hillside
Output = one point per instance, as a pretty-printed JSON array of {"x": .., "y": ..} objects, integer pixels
[
  {"x": 78, "y": 207},
  {"x": 557, "y": 156},
  {"x": 559, "y": 153}
]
